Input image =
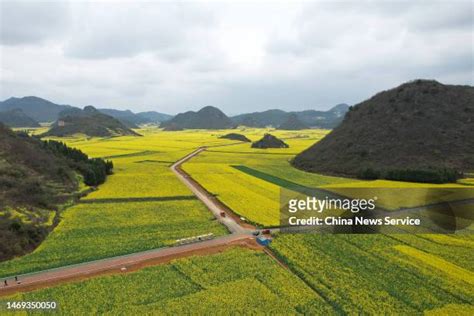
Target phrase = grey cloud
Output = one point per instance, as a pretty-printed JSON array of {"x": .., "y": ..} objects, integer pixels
[
  {"x": 27, "y": 22},
  {"x": 240, "y": 57},
  {"x": 111, "y": 31}
]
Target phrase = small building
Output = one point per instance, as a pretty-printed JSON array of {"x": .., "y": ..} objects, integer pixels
[{"x": 61, "y": 123}]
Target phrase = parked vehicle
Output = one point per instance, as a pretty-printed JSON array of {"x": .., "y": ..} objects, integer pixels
[{"x": 263, "y": 241}]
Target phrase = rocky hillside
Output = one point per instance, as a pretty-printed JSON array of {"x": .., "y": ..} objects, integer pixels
[
  {"x": 16, "y": 118},
  {"x": 235, "y": 136},
  {"x": 208, "y": 117},
  {"x": 269, "y": 141},
  {"x": 419, "y": 126},
  {"x": 90, "y": 122}
]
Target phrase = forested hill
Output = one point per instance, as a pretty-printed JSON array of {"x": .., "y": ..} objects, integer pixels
[
  {"x": 208, "y": 117},
  {"x": 419, "y": 131},
  {"x": 90, "y": 122},
  {"x": 35, "y": 178}
]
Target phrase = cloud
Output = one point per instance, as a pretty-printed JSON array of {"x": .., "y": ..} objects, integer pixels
[
  {"x": 111, "y": 30},
  {"x": 27, "y": 22},
  {"x": 241, "y": 57}
]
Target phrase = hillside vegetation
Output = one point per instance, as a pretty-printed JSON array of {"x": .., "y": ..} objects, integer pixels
[
  {"x": 269, "y": 141},
  {"x": 236, "y": 136},
  {"x": 420, "y": 131},
  {"x": 35, "y": 178},
  {"x": 16, "y": 118}
]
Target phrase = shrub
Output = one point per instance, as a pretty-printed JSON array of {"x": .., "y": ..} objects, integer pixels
[
  {"x": 429, "y": 175},
  {"x": 368, "y": 174},
  {"x": 94, "y": 170}
]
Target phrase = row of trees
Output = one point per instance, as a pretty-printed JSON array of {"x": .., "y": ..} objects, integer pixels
[
  {"x": 94, "y": 170},
  {"x": 428, "y": 175}
]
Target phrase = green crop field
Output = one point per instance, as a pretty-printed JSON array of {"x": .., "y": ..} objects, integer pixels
[
  {"x": 248, "y": 180},
  {"x": 142, "y": 206},
  {"x": 246, "y": 281},
  {"x": 256, "y": 199},
  {"x": 379, "y": 274}
]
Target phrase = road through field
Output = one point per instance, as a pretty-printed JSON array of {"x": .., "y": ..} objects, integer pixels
[
  {"x": 115, "y": 264},
  {"x": 233, "y": 223},
  {"x": 121, "y": 263}
]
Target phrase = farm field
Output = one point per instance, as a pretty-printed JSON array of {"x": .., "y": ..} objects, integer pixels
[
  {"x": 249, "y": 281},
  {"x": 379, "y": 274},
  {"x": 217, "y": 169},
  {"x": 248, "y": 180},
  {"x": 142, "y": 206}
]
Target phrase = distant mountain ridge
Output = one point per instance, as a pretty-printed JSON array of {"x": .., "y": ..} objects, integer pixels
[
  {"x": 311, "y": 118},
  {"x": 132, "y": 120},
  {"x": 293, "y": 123},
  {"x": 90, "y": 122},
  {"x": 42, "y": 110},
  {"x": 38, "y": 109},
  {"x": 208, "y": 117},
  {"x": 16, "y": 118},
  {"x": 127, "y": 117},
  {"x": 154, "y": 117}
]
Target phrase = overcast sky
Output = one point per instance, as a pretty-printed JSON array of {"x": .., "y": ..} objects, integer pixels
[{"x": 171, "y": 57}]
